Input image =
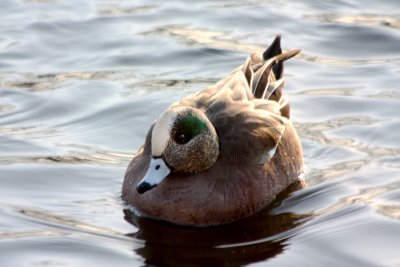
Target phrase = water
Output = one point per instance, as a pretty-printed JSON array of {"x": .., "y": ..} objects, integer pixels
[{"x": 81, "y": 81}]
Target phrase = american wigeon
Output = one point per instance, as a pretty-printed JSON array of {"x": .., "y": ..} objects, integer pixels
[{"x": 221, "y": 154}]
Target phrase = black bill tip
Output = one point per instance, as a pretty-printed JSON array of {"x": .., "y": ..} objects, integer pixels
[{"x": 144, "y": 187}]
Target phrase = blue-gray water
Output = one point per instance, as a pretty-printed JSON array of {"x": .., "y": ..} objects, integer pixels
[{"x": 81, "y": 81}]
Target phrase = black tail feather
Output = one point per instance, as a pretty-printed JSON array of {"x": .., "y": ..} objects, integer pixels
[{"x": 273, "y": 50}]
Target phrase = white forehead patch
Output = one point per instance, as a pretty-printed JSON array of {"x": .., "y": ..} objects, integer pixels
[{"x": 161, "y": 132}]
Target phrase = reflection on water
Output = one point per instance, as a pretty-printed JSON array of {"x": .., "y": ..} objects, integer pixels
[
  {"x": 172, "y": 246},
  {"x": 81, "y": 82},
  {"x": 256, "y": 238}
]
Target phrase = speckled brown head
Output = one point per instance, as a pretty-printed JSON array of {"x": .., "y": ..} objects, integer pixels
[{"x": 183, "y": 140}]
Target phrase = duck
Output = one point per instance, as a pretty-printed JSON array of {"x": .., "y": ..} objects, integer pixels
[{"x": 221, "y": 154}]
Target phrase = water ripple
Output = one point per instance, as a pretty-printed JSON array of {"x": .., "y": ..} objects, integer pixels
[{"x": 359, "y": 19}]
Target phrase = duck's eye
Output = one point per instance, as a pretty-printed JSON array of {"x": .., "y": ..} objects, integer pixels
[
  {"x": 182, "y": 138},
  {"x": 186, "y": 128}
]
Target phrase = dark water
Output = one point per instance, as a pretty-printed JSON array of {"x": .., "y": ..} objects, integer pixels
[{"x": 81, "y": 81}]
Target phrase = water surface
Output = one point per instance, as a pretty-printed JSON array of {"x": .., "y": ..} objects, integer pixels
[{"x": 81, "y": 82}]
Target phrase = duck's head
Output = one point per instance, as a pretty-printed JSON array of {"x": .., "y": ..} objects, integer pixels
[{"x": 183, "y": 140}]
